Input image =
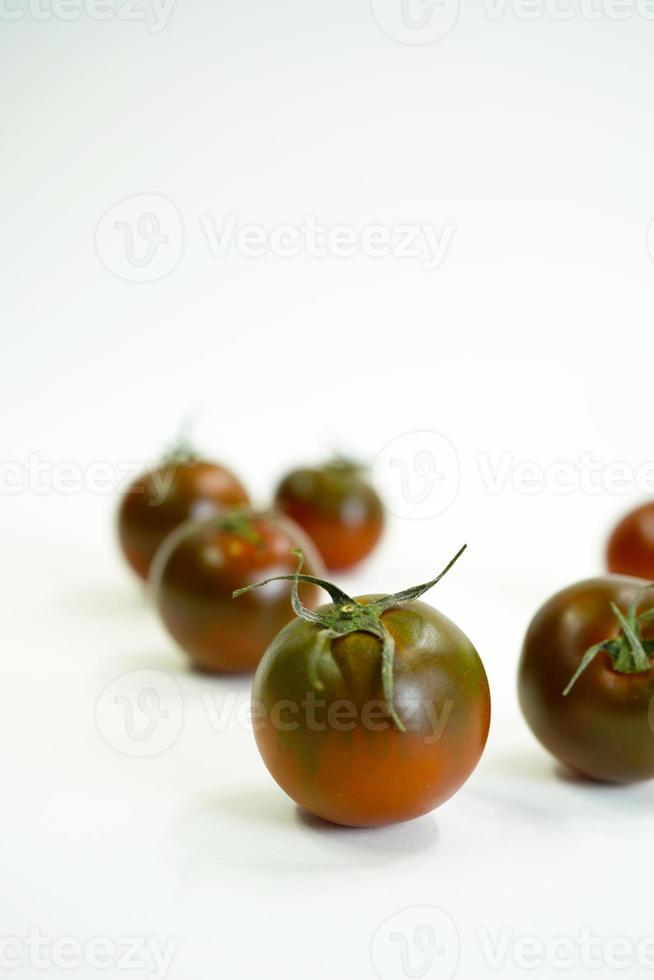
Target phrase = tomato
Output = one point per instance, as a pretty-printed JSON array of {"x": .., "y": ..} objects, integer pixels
[
  {"x": 337, "y": 508},
  {"x": 182, "y": 487},
  {"x": 200, "y": 565},
  {"x": 630, "y": 550},
  {"x": 593, "y": 641},
  {"x": 372, "y": 710}
]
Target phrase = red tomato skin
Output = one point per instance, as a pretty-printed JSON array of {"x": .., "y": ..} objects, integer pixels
[
  {"x": 603, "y": 728},
  {"x": 363, "y": 777},
  {"x": 630, "y": 549},
  {"x": 165, "y": 497},
  {"x": 198, "y": 568},
  {"x": 337, "y": 508}
]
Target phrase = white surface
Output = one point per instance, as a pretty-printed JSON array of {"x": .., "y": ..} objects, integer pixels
[{"x": 533, "y": 341}]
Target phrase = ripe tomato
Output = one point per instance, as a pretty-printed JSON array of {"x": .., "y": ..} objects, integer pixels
[
  {"x": 630, "y": 550},
  {"x": 337, "y": 508},
  {"x": 593, "y": 642},
  {"x": 372, "y": 710},
  {"x": 196, "y": 571},
  {"x": 182, "y": 487}
]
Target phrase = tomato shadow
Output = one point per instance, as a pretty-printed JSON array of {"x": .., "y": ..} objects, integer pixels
[
  {"x": 172, "y": 660},
  {"x": 539, "y": 767},
  {"x": 632, "y": 799},
  {"x": 374, "y": 844},
  {"x": 548, "y": 792},
  {"x": 574, "y": 778},
  {"x": 261, "y": 826}
]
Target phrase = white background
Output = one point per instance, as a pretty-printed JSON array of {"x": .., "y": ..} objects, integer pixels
[{"x": 534, "y": 141}]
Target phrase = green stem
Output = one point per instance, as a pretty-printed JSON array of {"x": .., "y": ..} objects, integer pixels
[
  {"x": 628, "y": 652},
  {"x": 408, "y": 594},
  {"x": 640, "y": 658}
]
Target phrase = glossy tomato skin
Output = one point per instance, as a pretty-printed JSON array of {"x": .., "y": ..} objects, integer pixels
[
  {"x": 630, "y": 549},
  {"x": 163, "y": 498},
  {"x": 336, "y": 752},
  {"x": 337, "y": 508},
  {"x": 198, "y": 568},
  {"x": 603, "y": 727}
]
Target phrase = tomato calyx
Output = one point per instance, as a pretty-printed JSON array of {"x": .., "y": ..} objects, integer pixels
[
  {"x": 629, "y": 653},
  {"x": 181, "y": 451},
  {"x": 341, "y": 464},
  {"x": 240, "y": 523},
  {"x": 345, "y": 616}
]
